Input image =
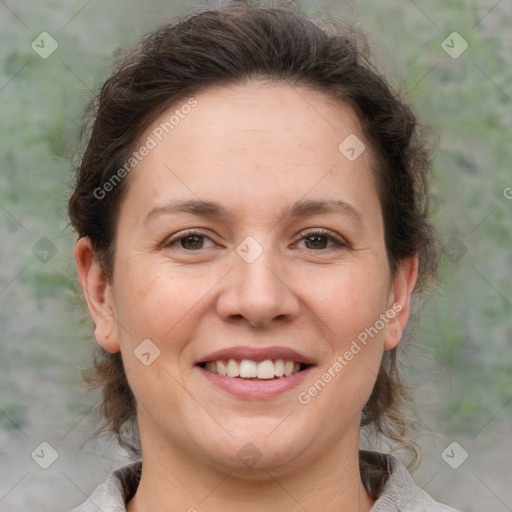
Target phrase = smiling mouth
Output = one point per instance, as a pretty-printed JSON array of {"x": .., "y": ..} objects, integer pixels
[{"x": 254, "y": 370}]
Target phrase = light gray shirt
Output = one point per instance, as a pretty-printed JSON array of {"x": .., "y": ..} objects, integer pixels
[{"x": 386, "y": 478}]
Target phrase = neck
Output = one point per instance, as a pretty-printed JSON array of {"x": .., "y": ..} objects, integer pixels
[{"x": 329, "y": 483}]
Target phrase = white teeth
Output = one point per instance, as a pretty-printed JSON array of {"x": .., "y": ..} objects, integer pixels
[
  {"x": 247, "y": 369},
  {"x": 266, "y": 369},
  {"x": 221, "y": 367},
  {"x": 288, "y": 368},
  {"x": 233, "y": 368},
  {"x": 279, "y": 368}
]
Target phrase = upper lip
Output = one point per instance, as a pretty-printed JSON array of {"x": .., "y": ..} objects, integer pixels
[{"x": 257, "y": 354}]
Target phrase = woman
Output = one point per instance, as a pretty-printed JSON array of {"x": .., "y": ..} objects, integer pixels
[{"x": 251, "y": 212}]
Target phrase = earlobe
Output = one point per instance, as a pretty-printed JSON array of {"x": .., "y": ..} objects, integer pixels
[
  {"x": 98, "y": 295},
  {"x": 400, "y": 300}
]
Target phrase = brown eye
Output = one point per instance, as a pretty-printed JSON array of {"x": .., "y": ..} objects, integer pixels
[
  {"x": 321, "y": 239},
  {"x": 316, "y": 241},
  {"x": 189, "y": 241},
  {"x": 192, "y": 242}
]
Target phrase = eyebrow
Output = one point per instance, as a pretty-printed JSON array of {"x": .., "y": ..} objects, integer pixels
[{"x": 214, "y": 210}]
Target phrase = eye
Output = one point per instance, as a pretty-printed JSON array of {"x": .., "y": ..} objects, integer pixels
[
  {"x": 316, "y": 239},
  {"x": 189, "y": 240}
]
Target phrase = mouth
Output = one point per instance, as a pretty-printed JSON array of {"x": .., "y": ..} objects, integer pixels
[
  {"x": 249, "y": 369},
  {"x": 256, "y": 373}
]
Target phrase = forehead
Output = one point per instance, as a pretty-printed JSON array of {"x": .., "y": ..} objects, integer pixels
[{"x": 247, "y": 143}]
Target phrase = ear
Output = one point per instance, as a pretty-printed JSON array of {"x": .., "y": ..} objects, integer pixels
[
  {"x": 399, "y": 301},
  {"x": 98, "y": 295}
]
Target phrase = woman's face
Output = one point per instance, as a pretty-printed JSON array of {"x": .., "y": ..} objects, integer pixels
[{"x": 252, "y": 232}]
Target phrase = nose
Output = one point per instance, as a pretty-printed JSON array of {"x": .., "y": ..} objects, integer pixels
[{"x": 258, "y": 292}]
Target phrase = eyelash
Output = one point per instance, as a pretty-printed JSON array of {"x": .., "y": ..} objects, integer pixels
[{"x": 308, "y": 233}]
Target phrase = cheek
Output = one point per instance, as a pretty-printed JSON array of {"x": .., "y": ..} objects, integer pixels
[
  {"x": 349, "y": 306},
  {"x": 158, "y": 303},
  {"x": 348, "y": 299},
  {"x": 349, "y": 303}
]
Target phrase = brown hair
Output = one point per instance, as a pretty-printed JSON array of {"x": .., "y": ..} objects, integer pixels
[{"x": 233, "y": 44}]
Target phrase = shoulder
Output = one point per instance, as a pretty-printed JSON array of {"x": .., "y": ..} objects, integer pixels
[
  {"x": 397, "y": 491},
  {"x": 117, "y": 489}
]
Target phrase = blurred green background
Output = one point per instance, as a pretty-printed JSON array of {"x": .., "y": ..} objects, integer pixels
[{"x": 460, "y": 361}]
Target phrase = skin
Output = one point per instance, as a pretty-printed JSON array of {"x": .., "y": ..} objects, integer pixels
[{"x": 253, "y": 148}]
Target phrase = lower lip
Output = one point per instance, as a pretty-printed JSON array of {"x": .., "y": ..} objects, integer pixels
[{"x": 255, "y": 389}]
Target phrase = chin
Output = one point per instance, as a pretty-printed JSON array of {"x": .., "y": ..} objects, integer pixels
[{"x": 258, "y": 446}]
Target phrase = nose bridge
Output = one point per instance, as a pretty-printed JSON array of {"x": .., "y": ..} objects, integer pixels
[
  {"x": 257, "y": 271},
  {"x": 256, "y": 290}
]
